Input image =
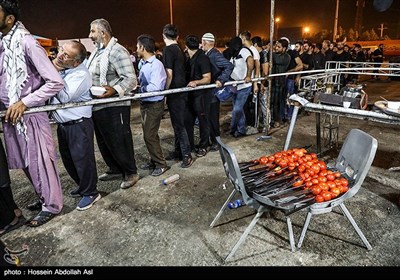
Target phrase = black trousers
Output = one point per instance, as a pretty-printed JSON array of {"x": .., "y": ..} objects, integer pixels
[
  {"x": 7, "y": 204},
  {"x": 114, "y": 138},
  {"x": 214, "y": 121},
  {"x": 177, "y": 106},
  {"x": 199, "y": 107},
  {"x": 76, "y": 146}
]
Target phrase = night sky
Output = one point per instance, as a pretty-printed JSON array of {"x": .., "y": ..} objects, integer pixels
[{"x": 129, "y": 18}]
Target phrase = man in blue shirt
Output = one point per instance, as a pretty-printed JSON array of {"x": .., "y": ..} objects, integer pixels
[
  {"x": 75, "y": 129},
  {"x": 152, "y": 77}
]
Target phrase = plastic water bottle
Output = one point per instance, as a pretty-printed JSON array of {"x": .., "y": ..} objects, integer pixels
[
  {"x": 171, "y": 179},
  {"x": 236, "y": 204}
]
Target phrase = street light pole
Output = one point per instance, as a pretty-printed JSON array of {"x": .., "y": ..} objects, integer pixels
[
  {"x": 335, "y": 26},
  {"x": 237, "y": 17},
  {"x": 170, "y": 12}
]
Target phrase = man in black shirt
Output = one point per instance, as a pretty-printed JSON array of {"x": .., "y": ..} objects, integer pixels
[{"x": 174, "y": 63}]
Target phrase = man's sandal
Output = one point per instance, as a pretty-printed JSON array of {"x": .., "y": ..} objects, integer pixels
[
  {"x": 40, "y": 219},
  {"x": 14, "y": 224}
]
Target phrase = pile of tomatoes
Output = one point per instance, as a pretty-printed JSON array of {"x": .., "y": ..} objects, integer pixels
[{"x": 312, "y": 173}]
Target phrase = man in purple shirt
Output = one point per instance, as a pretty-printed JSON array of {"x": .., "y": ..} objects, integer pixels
[{"x": 28, "y": 79}]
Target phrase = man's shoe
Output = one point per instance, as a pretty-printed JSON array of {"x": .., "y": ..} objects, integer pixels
[
  {"x": 148, "y": 166},
  {"x": 214, "y": 147},
  {"x": 87, "y": 201},
  {"x": 187, "y": 161},
  {"x": 110, "y": 176},
  {"x": 75, "y": 193},
  {"x": 173, "y": 156},
  {"x": 35, "y": 206},
  {"x": 238, "y": 134},
  {"x": 201, "y": 152},
  {"x": 160, "y": 170},
  {"x": 129, "y": 181}
]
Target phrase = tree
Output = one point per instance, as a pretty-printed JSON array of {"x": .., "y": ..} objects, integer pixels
[
  {"x": 351, "y": 35},
  {"x": 373, "y": 35},
  {"x": 366, "y": 36}
]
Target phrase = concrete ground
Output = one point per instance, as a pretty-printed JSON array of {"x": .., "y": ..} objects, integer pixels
[{"x": 155, "y": 225}]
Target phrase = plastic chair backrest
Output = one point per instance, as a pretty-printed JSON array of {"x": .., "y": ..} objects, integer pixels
[
  {"x": 233, "y": 173},
  {"x": 356, "y": 157}
]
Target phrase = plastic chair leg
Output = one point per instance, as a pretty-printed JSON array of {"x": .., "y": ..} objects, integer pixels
[
  {"x": 291, "y": 236},
  {"x": 222, "y": 208},
  {"x": 353, "y": 223},
  {"x": 242, "y": 238},
  {"x": 303, "y": 232}
]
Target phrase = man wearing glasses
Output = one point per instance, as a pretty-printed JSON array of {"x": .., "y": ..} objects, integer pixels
[{"x": 75, "y": 129}]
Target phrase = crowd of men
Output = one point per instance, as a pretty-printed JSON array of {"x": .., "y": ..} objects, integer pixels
[{"x": 28, "y": 78}]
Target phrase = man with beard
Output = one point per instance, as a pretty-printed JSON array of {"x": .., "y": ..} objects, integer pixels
[
  {"x": 112, "y": 68},
  {"x": 28, "y": 79}
]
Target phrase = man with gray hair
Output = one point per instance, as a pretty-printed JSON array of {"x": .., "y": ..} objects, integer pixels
[
  {"x": 221, "y": 70},
  {"x": 75, "y": 130},
  {"x": 112, "y": 68}
]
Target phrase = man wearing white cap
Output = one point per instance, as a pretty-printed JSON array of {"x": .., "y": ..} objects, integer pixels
[{"x": 221, "y": 69}]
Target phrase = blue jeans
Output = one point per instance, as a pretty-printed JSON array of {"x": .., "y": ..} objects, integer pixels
[
  {"x": 238, "y": 122},
  {"x": 291, "y": 90}
]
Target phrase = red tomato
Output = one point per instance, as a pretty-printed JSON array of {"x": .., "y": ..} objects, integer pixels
[
  {"x": 335, "y": 191},
  {"x": 322, "y": 165},
  {"x": 319, "y": 198},
  {"x": 330, "y": 177},
  {"x": 323, "y": 173},
  {"x": 313, "y": 155},
  {"x": 278, "y": 155},
  {"x": 326, "y": 195},
  {"x": 298, "y": 183},
  {"x": 331, "y": 184},
  {"x": 283, "y": 163},
  {"x": 316, "y": 190},
  {"x": 343, "y": 189},
  {"x": 337, "y": 174},
  {"x": 301, "y": 168},
  {"x": 314, "y": 181},
  {"x": 322, "y": 179},
  {"x": 309, "y": 184},
  {"x": 324, "y": 186},
  {"x": 344, "y": 182},
  {"x": 263, "y": 160},
  {"x": 271, "y": 158},
  {"x": 315, "y": 168}
]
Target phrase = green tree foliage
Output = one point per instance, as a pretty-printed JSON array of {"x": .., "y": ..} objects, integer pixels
[
  {"x": 351, "y": 35},
  {"x": 373, "y": 35}
]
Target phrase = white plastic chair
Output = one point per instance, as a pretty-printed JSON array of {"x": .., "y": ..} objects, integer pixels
[
  {"x": 354, "y": 161},
  {"x": 233, "y": 173}
]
